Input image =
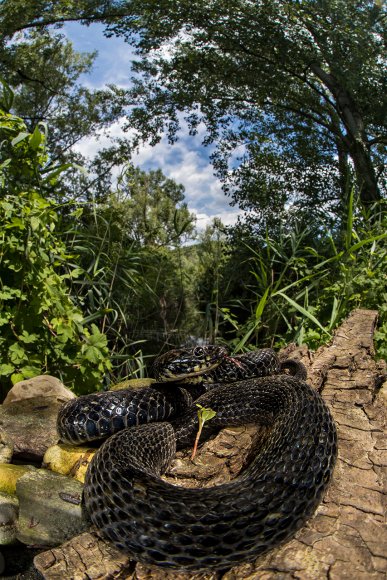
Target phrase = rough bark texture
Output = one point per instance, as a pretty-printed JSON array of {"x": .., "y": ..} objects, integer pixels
[{"x": 346, "y": 538}]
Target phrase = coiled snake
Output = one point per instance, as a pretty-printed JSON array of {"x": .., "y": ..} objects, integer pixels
[{"x": 204, "y": 528}]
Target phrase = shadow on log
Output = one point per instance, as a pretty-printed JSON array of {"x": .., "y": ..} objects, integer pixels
[{"x": 346, "y": 538}]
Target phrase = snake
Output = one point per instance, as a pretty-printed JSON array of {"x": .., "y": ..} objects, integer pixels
[{"x": 206, "y": 528}]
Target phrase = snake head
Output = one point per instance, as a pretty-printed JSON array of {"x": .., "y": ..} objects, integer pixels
[{"x": 184, "y": 363}]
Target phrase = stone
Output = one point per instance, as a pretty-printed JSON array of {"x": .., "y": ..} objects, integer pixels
[
  {"x": 9, "y": 509},
  {"x": 31, "y": 425},
  {"x": 9, "y": 474},
  {"x": 68, "y": 460},
  {"x": 50, "y": 509},
  {"x": 133, "y": 384},
  {"x": 6, "y": 447},
  {"x": 41, "y": 386}
]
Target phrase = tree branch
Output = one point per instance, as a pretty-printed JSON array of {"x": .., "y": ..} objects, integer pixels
[{"x": 62, "y": 20}]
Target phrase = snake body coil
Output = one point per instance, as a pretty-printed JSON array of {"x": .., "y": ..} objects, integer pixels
[{"x": 204, "y": 528}]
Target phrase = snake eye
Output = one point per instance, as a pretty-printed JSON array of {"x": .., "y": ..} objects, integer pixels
[{"x": 198, "y": 351}]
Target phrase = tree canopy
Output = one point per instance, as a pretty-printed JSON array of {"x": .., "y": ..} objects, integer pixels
[
  {"x": 292, "y": 96},
  {"x": 154, "y": 208},
  {"x": 20, "y": 15},
  {"x": 296, "y": 90},
  {"x": 292, "y": 93},
  {"x": 43, "y": 70}
]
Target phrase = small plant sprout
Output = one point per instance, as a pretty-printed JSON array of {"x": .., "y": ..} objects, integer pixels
[{"x": 204, "y": 414}]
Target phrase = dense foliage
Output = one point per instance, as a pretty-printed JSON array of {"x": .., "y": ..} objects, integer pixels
[
  {"x": 99, "y": 273},
  {"x": 41, "y": 329},
  {"x": 130, "y": 277},
  {"x": 299, "y": 286}
]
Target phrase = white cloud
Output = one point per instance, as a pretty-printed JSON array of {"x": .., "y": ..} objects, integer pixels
[
  {"x": 186, "y": 162},
  {"x": 114, "y": 59}
]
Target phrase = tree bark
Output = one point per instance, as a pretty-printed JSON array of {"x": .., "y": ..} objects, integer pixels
[
  {"x": 355, "y": 140},
  {"x": 346, "y": 538}
]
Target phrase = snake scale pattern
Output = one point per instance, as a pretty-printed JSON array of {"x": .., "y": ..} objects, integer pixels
[{"x": 204, "y": 528}]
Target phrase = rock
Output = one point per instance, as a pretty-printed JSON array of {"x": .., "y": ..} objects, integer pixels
[
  {"x": 9, "y": 508},
  {"x": 41, "y": 386},
  {"x": 132, "y": 384},
  {"x": 31, "y": 425},
  {"x": 6, "y": 447},
  {"x": 49, "y": 508},
  {"x": 9, "y": 474},
  {"x": 68, "y": 460}
]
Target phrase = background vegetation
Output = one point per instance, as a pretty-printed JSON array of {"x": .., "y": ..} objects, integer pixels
[{"x": 99, "y": 274}]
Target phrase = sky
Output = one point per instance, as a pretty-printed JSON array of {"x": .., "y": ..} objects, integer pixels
[{"x": 187, "y": 161}]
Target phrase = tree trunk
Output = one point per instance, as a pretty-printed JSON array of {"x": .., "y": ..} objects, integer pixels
[
  {"x": 355, "y": 140},
  {"x": 346, "y": 538},
  {"x": 344, "y": 171},
  {"x": 365, "y": 173}
]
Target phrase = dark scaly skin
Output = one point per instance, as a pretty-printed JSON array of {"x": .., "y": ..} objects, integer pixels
[
  {"x": 99, "y": 415},
  {"x": 214, "y": 528},
  {"x": 258, "y": 363},
  {"x": 185, "y": 364}
]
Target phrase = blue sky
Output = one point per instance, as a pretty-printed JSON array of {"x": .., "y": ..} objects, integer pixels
[{"x": 186, "y": 161}]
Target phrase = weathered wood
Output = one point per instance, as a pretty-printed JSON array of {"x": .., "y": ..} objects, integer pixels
[
  {"x": 346, "y": 538},
  {"x": 86, "y": 557}
]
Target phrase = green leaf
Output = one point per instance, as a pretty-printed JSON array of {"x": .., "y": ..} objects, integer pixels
[
  {"x": 97, "y": 339},
  {"x": 8, "y": 293},
  {"x": 35, "y": 139},
  {"x": 17, "y": 353},
  {"x": 5, "y": 163},
  {"x": 205, "y": 413},
  {"x": 76, "y": 272},
  {"x": 53, "y": 174},
  {"x": 35, "y": 223},
  {"x": 261, "y": 304},
  {"x": 7, "y": 96},
  {"x": 16, "y": 222},
  {"x": 6, "y": 369},
  {"x": 92, "y": 354},
  {"x": 30, "y": 371},
  {"x": 304, "y": 312},
  {"x": 16, "y": 378},
  {"x": 27, "y": 338},
  {"x": 370, "y": 240},
  {"x": 4, "y": 318},
  {"x": 21, "y": 137}
]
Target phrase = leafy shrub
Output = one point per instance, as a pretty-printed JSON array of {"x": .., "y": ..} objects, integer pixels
[
  {"x": 357, "y": 278},
  {"x": 41, "y": 331},
  {"x": 299, "y": 287}
]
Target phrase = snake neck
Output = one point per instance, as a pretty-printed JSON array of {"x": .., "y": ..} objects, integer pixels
[{"x": 258, "y": 363}]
